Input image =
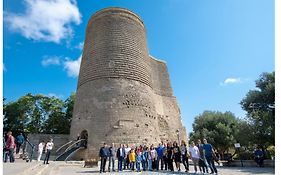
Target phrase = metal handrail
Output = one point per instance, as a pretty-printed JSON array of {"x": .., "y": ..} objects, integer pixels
[
  {"x": 32, "y": 148},
  {"x": 74, "y": 144},
  {"x": 72, "y": 154},
  {"x": 64, "y": 145}
]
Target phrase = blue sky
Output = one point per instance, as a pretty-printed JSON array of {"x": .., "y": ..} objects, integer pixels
[{"x": 214, "y": 50}]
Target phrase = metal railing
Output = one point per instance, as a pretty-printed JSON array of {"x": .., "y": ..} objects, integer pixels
[
  {"x": 75, "y": 143},
  {"x": 64, "y": 145},
  {"x": 29, "y": 150}
]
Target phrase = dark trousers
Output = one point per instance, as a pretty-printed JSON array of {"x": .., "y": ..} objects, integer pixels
[
  {"x": 120, "y": 161},
  {"x": 185, "y": 162},
  {"x": 126, "y": 162},
  {"x": 132, "y": 166},
  {"x": 165, "y": 160},
  {"x": 9, "y": 154},
  {"x": 160, "y": 161},
  {"x": 259, "y": 161},
  {"x": 47, "y": 156},
  {"x": 211, "y": 163},
  {"x": 170, "y": 164},
  {"x": 144, "y": 164},
  {"x": 102, "y": 164},
  {"x": 202, "y": 166},
  {"x": 18, "y": 148}
]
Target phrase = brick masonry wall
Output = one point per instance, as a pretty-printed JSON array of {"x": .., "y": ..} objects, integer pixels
[{"x": 123, "y": 94}]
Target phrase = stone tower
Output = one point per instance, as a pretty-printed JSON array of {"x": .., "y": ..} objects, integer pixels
[{"x": 123, "y": 95}]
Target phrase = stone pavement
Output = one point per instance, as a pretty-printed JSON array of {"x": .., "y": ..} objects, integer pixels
[{"x": 76, "y": 168}]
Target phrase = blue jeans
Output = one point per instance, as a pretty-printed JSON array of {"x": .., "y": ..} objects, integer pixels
[
  {"x": 9, "y": 154},
  {"x": 120, "y": 161},
  {"x": 138, "y": 166},
  {"x": 132, "y": 164},
  {"x": 111, "y": 160},
  {"x": 211, "y": 163},
  {"x": 150, "y": 165},
  {"x": 144, "y": 165}
]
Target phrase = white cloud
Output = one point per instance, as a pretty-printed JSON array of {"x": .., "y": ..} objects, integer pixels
[
  {"x": 231, "y": 81},
  {"x": 80, "y": 46},
  {"x": 45, "y": 20},
  {"x": 53, "y": 60},
  {"x": 72, "y": 66}
]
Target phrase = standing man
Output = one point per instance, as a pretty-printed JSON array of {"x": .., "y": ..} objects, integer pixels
[
  {"x": 120, "y": 156},
  {"x": 103, "y": 156},
  {"x": 160, "y": 150},
  {"x": 126, "y": 159},
  {"x": 111, "y": 157},
  {"x": 209, "y": 152},
  {"x": 48, "y": 149},
  {"x": 10, "y": 147},
  {"x": 202, "y": 161},
  {"x": 19, "y": 140}
]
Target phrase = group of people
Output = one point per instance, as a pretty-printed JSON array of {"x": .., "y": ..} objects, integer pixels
[
  {"x": 153, "y": 158},
  {"x": 12, "y": 146},
  {"x": 45, "y": 148}
]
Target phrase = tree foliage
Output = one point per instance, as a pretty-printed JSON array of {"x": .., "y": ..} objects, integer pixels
[
  {"x": 260, "y": 108},
  {"x": 217, "y": 127},
  {"x": 38, "y": 114}
]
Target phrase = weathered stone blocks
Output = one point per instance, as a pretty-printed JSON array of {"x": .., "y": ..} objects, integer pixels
[{"x": 123, "y": 94}]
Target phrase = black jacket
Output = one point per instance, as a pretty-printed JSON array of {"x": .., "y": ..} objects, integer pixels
[
  {"x": 104, "y": 152},
  {"x": 118, "y": 152}
]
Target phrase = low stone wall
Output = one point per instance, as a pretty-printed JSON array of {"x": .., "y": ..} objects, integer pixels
[
  {"x": 59, "y": 139},
  {"x": 249, "y": 163}
]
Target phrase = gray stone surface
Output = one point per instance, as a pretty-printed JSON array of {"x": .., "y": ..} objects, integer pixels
[
  {"x": 124, "y": 95},
  {"x": 76, "y": 168}
]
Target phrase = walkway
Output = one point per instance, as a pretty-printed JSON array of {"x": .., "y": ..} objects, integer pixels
[{"x": 76, "y": 168}]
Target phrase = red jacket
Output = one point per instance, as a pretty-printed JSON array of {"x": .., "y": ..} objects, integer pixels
[{"x": 10, "y": 142}]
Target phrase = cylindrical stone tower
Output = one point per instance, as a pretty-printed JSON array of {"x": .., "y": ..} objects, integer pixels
[{"x": 115, "y": 99}]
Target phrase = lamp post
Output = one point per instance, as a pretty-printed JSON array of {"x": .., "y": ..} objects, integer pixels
[
  {"x": 178, "y": 135},
  {"x": 237, "y": 146}
]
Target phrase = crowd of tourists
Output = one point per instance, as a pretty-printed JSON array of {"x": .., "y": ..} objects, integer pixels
[
  {"x": 12, "y": 146},
  {"x": 159, "y": 157}
]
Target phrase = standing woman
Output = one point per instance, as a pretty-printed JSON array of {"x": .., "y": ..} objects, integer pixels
[
  {"x": 195, "y": 155},
  {"x": 184, "y": 155},
  {"x": 177, "y": 155},
  {"x": 40, "y": 150},
  {"x": 170, "y": 156}
]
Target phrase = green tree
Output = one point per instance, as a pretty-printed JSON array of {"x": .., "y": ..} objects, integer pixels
[
  {"x": 69, "y": 105},
  {"x": 217, "y": 127},
  {"x": 38, "y": 114},
  {"x": 244, "y": 134},
  {"x": 259, "y": 105}
]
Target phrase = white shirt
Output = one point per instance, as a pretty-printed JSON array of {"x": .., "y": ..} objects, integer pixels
[
  {"x": 194, "y": 152},
  {"x": 40, "y": 147},
  {"x": 49, "y": 145},
  {"x": 127, "y": 150}
]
